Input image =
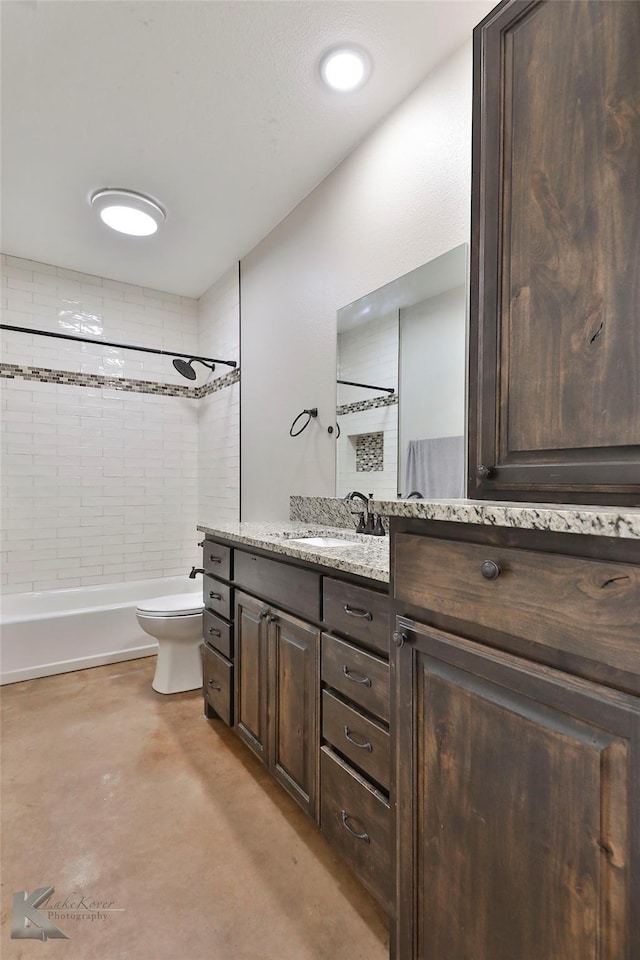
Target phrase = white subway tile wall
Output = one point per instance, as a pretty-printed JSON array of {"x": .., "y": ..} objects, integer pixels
[
  {"x": 98, "y": 485},
  {"x": 368, "y": 354},
  {"x": 219, "y": 413}
]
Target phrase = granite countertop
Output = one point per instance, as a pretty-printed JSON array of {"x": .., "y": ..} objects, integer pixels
[
  {"x": 562, "y": 518},
  {"x": 365, "y": 556}
]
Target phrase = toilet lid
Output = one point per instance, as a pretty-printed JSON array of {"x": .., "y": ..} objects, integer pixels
[{"x": 177, "y": 605}]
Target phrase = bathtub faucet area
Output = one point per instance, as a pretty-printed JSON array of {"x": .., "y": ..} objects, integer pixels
[{"x": 194, "y": 572}]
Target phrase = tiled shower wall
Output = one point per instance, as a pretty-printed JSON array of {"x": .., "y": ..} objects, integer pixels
[
  {"x": 219, "y": 412},
  {"x": 368, "y": 354},
  {"x": 99, "y": 484}
]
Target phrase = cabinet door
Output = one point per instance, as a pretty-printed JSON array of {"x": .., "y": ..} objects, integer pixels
[
  {"x": 294, "y": 683},
  {"x": 555, "y": 283},
  {"x": 251, "y": 673},
  {"x": 518, "y": 810}
]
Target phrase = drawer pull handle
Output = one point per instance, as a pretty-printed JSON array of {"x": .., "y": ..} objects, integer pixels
[
  {"x": 214, "y": 685},
  {"x": 359, "y": 836},
  {"x": 354, "y": 678},
  {"x": 215, "y": 559},
  {"x": 355, "y": 612},
  {"x": 215, "y": 596},
  {"x": 490, "y": 570},
  {"x": 214, "y": 632},
  {"x": 356, "y": 743}
]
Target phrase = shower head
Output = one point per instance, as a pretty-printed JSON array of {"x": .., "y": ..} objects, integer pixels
[{"x": 184, "y": 367}]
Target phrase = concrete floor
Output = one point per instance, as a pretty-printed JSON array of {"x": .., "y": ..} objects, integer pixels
[{"x": 117, "y": 794}]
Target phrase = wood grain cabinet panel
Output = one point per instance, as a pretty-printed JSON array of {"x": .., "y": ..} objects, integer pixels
[
  {"x": 360, "y": 676},
  {"x": 294, "y": 652},
  {"x": 355, "y": 818},
  {"x": 217, "y": 685},
  {"x": 251, "y": 673},
  {"x": 555, "y": 280},
  {"x": 357, "y": 612},
  {"x": 518, "y": 835},
  {"x": 589, "y": 609}
]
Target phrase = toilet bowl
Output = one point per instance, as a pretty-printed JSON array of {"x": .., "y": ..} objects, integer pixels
[{"x": 176, "y": 623}]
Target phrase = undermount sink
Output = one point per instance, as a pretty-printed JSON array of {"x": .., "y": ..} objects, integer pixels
[{"x": 322, "y": 541}]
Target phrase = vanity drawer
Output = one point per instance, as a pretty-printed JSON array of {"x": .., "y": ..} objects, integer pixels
[
  {"x": 217, "y": 596},
  {"x": 588, "y": 608},
  {"x": 357, "y": 612},
  {"x": 362, "y": 740},
  {"x": 217, "y": 683},
  {"x": 355, "y": 819},
  {"x": 358, "y": 675},
  {"x": 218, "y": 633},
  {"x": 217, "y": 559},
  {"x": 290, "y": 587}
]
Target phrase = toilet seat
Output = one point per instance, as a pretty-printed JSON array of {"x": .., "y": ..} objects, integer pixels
[{"x": 178, "y": 605}]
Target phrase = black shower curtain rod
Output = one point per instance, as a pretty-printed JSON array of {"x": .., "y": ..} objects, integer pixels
[
  {"x": 369, "y": 386},
  {"x": 120, "y": 346}
]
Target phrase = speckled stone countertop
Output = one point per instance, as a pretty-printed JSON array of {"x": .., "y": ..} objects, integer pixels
[
  {"x": 563, "y": 518},
  {"x": 363, "y": 555}
]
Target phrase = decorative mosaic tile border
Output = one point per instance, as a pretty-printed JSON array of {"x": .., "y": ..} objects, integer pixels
[
  {"x": 13, "y": 371},
  {"x": 361, "y": 405}
]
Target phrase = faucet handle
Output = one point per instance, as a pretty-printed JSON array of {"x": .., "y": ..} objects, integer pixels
[{"x": 378, "y": 530}]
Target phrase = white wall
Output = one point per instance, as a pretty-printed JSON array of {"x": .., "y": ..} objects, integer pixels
[
  {"x": 400, "y": 199},
  {"x": 432, "y": 370},
  {"x": 219, "y": 412},
  {"x": 99, "y": 484}
]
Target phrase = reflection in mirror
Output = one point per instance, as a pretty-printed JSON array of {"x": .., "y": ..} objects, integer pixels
[{"x": 409, "y": 335}]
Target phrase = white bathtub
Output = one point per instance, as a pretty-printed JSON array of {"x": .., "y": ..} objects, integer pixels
[{"x": 55, "y": 631}]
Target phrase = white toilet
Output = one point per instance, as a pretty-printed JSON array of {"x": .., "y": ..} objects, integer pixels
[{"x": 176, "y": 623}]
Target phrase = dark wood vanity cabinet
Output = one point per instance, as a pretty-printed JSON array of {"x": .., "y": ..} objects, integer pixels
[
  {"x": 217, "y": 631},
  {"x": 555, "y": 263},
  {"x": 308, "y": 684},
  {"x": 277, "y": 691},
  {"x": 516, "y": 744}
]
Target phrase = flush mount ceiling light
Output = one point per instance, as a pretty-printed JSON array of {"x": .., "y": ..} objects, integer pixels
[
  {"x": 345, "y": 68},
  {"x": 127, "y": 211}
]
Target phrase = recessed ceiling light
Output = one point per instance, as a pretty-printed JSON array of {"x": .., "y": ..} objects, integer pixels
[
  {"x": 344, "y": 68},
  {"x": 127, "y": 211}
]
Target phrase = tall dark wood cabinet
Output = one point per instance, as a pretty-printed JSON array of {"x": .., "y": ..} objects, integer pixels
[
  {"x": 516, "y": 759},
  {"x": 555, "y": 272}
]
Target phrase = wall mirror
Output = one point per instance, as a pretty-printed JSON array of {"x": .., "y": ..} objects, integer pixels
[{"x": 401, "y": 385}]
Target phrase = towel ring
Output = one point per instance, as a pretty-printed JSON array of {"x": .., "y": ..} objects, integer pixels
[{"x": 313, "y": 412}]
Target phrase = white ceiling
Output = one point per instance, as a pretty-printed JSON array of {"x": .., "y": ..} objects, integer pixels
[{"x": 215, "y": 108}]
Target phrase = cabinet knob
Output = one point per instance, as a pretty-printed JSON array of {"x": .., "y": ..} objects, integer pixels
[
  {"x": 400, "y": 638},
  {"x": 483, "y": 472},
  {"x": 490, "y": 570}
]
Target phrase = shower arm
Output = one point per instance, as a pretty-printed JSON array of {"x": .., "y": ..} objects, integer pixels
[{"x": 120, "y": 346}]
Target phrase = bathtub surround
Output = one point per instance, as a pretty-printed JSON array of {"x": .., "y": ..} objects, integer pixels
[{"x": 99, "y": 445}]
